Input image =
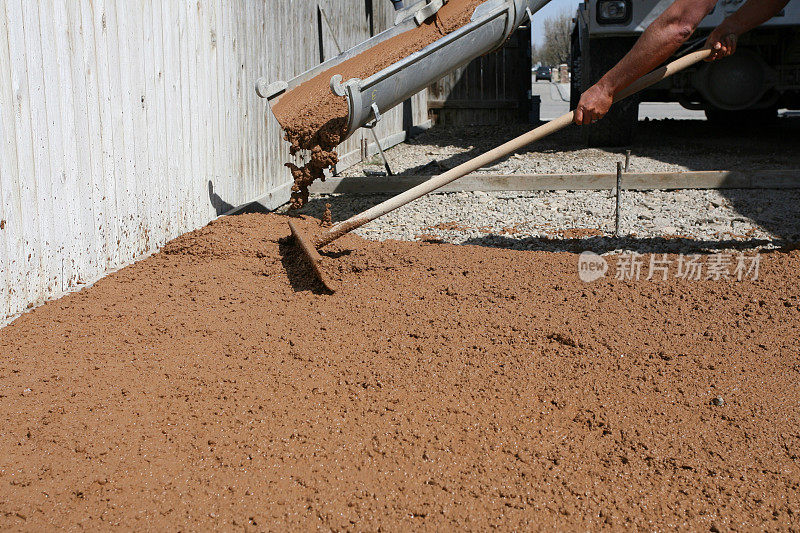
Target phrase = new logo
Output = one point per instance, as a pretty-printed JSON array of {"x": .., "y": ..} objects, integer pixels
[{"x": 591, "y": 266}]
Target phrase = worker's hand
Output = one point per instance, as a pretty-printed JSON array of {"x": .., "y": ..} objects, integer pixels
[
  {"x": 722, "y": 42},
  {"x": 594, "y": 105}
]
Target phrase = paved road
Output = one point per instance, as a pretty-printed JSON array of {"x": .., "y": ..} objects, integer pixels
[{"x": 555, "y": 102}]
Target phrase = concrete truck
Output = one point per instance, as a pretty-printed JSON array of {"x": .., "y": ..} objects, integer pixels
[{"x": 746, "y": 88}]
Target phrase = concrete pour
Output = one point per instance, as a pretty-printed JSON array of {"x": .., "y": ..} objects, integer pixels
[
  {"x": 315, "y": 119},
  {"x": 442, "y": 387}
]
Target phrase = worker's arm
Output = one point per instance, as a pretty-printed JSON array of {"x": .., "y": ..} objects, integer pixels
[
  {"x": 722, "y": 40},
  {"x": 658, "y": 42},
  {"x": 662, "y": 38}
]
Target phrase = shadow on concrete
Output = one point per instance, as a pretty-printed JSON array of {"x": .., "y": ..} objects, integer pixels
[
  {"x": 221, "y": 207},
  {"x": 253, "y": 207},
  {"x": 642, "y": 245}
]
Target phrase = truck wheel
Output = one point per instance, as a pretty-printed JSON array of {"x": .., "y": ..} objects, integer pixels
[
  {"x": 741, "y": 119},
  {"x": 616, "y": 128}
]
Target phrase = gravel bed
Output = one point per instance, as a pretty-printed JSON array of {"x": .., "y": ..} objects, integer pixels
[
  {"x": 651, "y": 222},
  {"x": 660, "y": 146}
]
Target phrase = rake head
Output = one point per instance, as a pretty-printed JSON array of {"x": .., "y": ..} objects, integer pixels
[{"x": 310, "y": 252}]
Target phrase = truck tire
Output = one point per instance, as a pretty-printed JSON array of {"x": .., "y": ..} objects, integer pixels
[{"x": 616, "y": 128}]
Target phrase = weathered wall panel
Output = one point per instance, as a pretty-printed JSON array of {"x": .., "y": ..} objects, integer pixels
[
  {"x": 492, "y": 89},
  {"x": 125, "y": 123}
]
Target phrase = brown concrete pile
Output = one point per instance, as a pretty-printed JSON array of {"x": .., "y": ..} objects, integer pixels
[
  {"x": 442, "y": 388},
  {"x": 211, "y": 387},
  {"x": 315, "y": 119}
]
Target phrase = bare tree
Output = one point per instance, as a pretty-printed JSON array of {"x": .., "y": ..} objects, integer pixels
[
  {"x": 536, "y": 52},
  {"x": 557, "y": 37}
]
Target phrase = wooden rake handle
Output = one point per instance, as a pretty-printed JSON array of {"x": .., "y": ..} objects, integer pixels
[{"x": 493, "y": 155}]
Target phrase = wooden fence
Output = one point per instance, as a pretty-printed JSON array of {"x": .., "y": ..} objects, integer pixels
[
  {"x": 492, "y": 89},
  {"x": 125, "y": 123}
]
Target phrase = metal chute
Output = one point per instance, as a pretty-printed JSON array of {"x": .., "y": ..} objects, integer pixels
[{"x": 489, "y": 27}]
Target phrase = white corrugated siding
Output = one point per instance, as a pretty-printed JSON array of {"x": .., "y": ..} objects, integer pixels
[{"x": 125, "y": 123}]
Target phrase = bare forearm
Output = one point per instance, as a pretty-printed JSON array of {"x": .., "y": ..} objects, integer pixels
[
  {"x": 662, "y": 38},
  {"x": 658, "y": 42}
]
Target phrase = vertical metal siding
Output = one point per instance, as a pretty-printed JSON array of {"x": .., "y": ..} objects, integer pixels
[{"x": 125, "y": 123}]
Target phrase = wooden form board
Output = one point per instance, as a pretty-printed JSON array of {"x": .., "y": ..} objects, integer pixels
[{"x": 709, "y": 179}]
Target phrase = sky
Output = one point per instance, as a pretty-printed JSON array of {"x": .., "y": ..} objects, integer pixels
[{"x": 553, "y": 8}]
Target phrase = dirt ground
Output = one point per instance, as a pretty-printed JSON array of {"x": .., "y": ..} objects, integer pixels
[{"x": 212, "y": 386}]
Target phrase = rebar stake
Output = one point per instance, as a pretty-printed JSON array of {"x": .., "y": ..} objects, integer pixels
[
  {"x": 619, "y": 197},
  {"x": 383, "y": 155}
]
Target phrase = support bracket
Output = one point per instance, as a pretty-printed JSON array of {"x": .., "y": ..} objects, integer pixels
[
  {"x": 374, "y": 122},
  {"x": 270, "y": 90},
  {"x": 430, "y": 9}
]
